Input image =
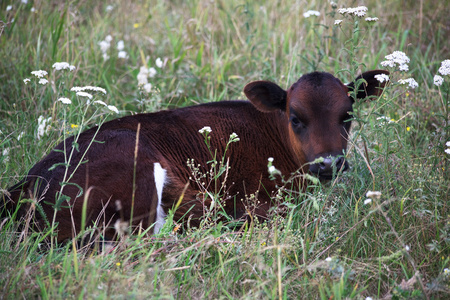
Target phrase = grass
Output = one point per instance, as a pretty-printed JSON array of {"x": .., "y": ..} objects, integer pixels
[{"x": 326, "y": 243}]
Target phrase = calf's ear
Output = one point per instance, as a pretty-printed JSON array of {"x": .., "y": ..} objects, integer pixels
[
  {"x": 369, "y": 86},
  {"x": 266, "y": 96}
]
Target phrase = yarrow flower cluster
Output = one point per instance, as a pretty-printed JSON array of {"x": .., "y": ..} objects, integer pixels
[
  {"x": 205, "y": 129},
  {"x": 359, "y": 11},
  {"x": 310, "y": 13},
  {"x": 373, "y": 194},
  {"x": 396, "y": 58},
  {"x": 122, "y": 54},
  {"x": 88, "y": 88},
  {"x": 110, "y": 107},
  {"x": 234, "y": 137},
  {"x": 43, "y": 126},
  {"x": 39, "y": 74},
  {"x": 445, "y": 67},
  {"x": 84, "y": 94},
  {"x": 104, "y": 46},
  {"x": 81, "y": 92},
  {"x": 410, "y": 81},
  {"x": 438, "y": 80},
  {"x": 374, "y": 19},
  {"x": 65, "y": 100},
  {"x": 63, "y": 66},
  {"x": 382, "y": 78},
  {"x": 145, "y": 73},
  {"x": 43, "y": 81},
  {"x": 271, "y": 168},
  {"x": 444, "y": 70}
]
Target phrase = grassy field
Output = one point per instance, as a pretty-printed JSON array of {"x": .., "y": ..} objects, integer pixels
[{"x": 330, "y": 242}]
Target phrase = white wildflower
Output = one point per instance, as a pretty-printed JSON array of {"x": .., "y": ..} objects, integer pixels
[
  {"x": 385, "y": 119},
  {"x": 104, "y": 46},
  {"x": 9, "y": 7},
  {"x": 270, "y": 159},
  {"x": 33, "y": 9},
  {"x": 368, "y": 298},
  {"x": 88, "y": 88},
  {"x": 374, "y": 19},
  {"x": 151, "y": 72},
  {"x": 108, "y": 38},
  {"x": 113, "y": 108},
  {"x": 26, "y": 80},
  {"x": 272, "y": 169},
  {"x": 310, "y": 13},
  {"x": 120, "y": 45},
  {"x": 447, "y": 150},
  {"x": 407, "y": 248},
  {"x": 410, "y": 81},
  {"x": 396, "y": 58},
  {"x": 446, "y": 272},
  {"x": 403, "y": 68},
  {"x": 122, "y": 54},
  {"x": 147, "y": 87},
  {"x": 43, "y": 126},
  {"x": 159, "y": 63},
  {"x": 63, "y": 66},
  {"x": 109, "y": 8},
  {"x": 359, "y": 11},
  {"x": 20, "y": 135},
  {"x": 447, "y": 144},
  {"x": 84, "y": 94},
  {"x": 382, "y": 78},
  {"x": 367, "y": 201},
  {"x": 388, "y": 63},
  {"x": 337, "y": 22},
  {"x": 328, "y": 259},
  {"x": 100, "y": 102},
  {"x": 39, "y": 74},
  {"x": 205, "y": 129},
  {"x": 43, "y": 81},
  {"x": 445, "y": 67},
  {"x": 24, "y": 1},
  {"x": 64, "y": 100},
  {"x": 105, "y": 56},
  {"x": 438, "y": 80},
  {"x": 5, "y": 153},
  {"x": 373, "y": 194},
  {"x": 142, "y": 76},
  {"x": 234, "y": 137}
]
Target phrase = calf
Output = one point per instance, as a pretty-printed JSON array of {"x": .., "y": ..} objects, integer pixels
[{"x": 135, "y": 168}]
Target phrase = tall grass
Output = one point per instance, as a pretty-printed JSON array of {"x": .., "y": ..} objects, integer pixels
[{"x": 322, "y": 243}]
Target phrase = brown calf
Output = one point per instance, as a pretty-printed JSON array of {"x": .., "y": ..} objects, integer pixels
[{"x": 119, "y": 172}]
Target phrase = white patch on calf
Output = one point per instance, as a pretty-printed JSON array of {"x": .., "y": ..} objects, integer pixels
[{"x": 160, "y": 179}]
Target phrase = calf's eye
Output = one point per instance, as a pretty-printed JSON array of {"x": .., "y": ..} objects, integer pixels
[{"x": 297, "y": 124}]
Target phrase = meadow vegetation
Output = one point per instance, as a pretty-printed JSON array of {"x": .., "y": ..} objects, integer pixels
[{"x": 332, "y": 241}]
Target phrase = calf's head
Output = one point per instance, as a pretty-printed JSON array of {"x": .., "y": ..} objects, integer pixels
[{"x": 317, "y": 111}]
